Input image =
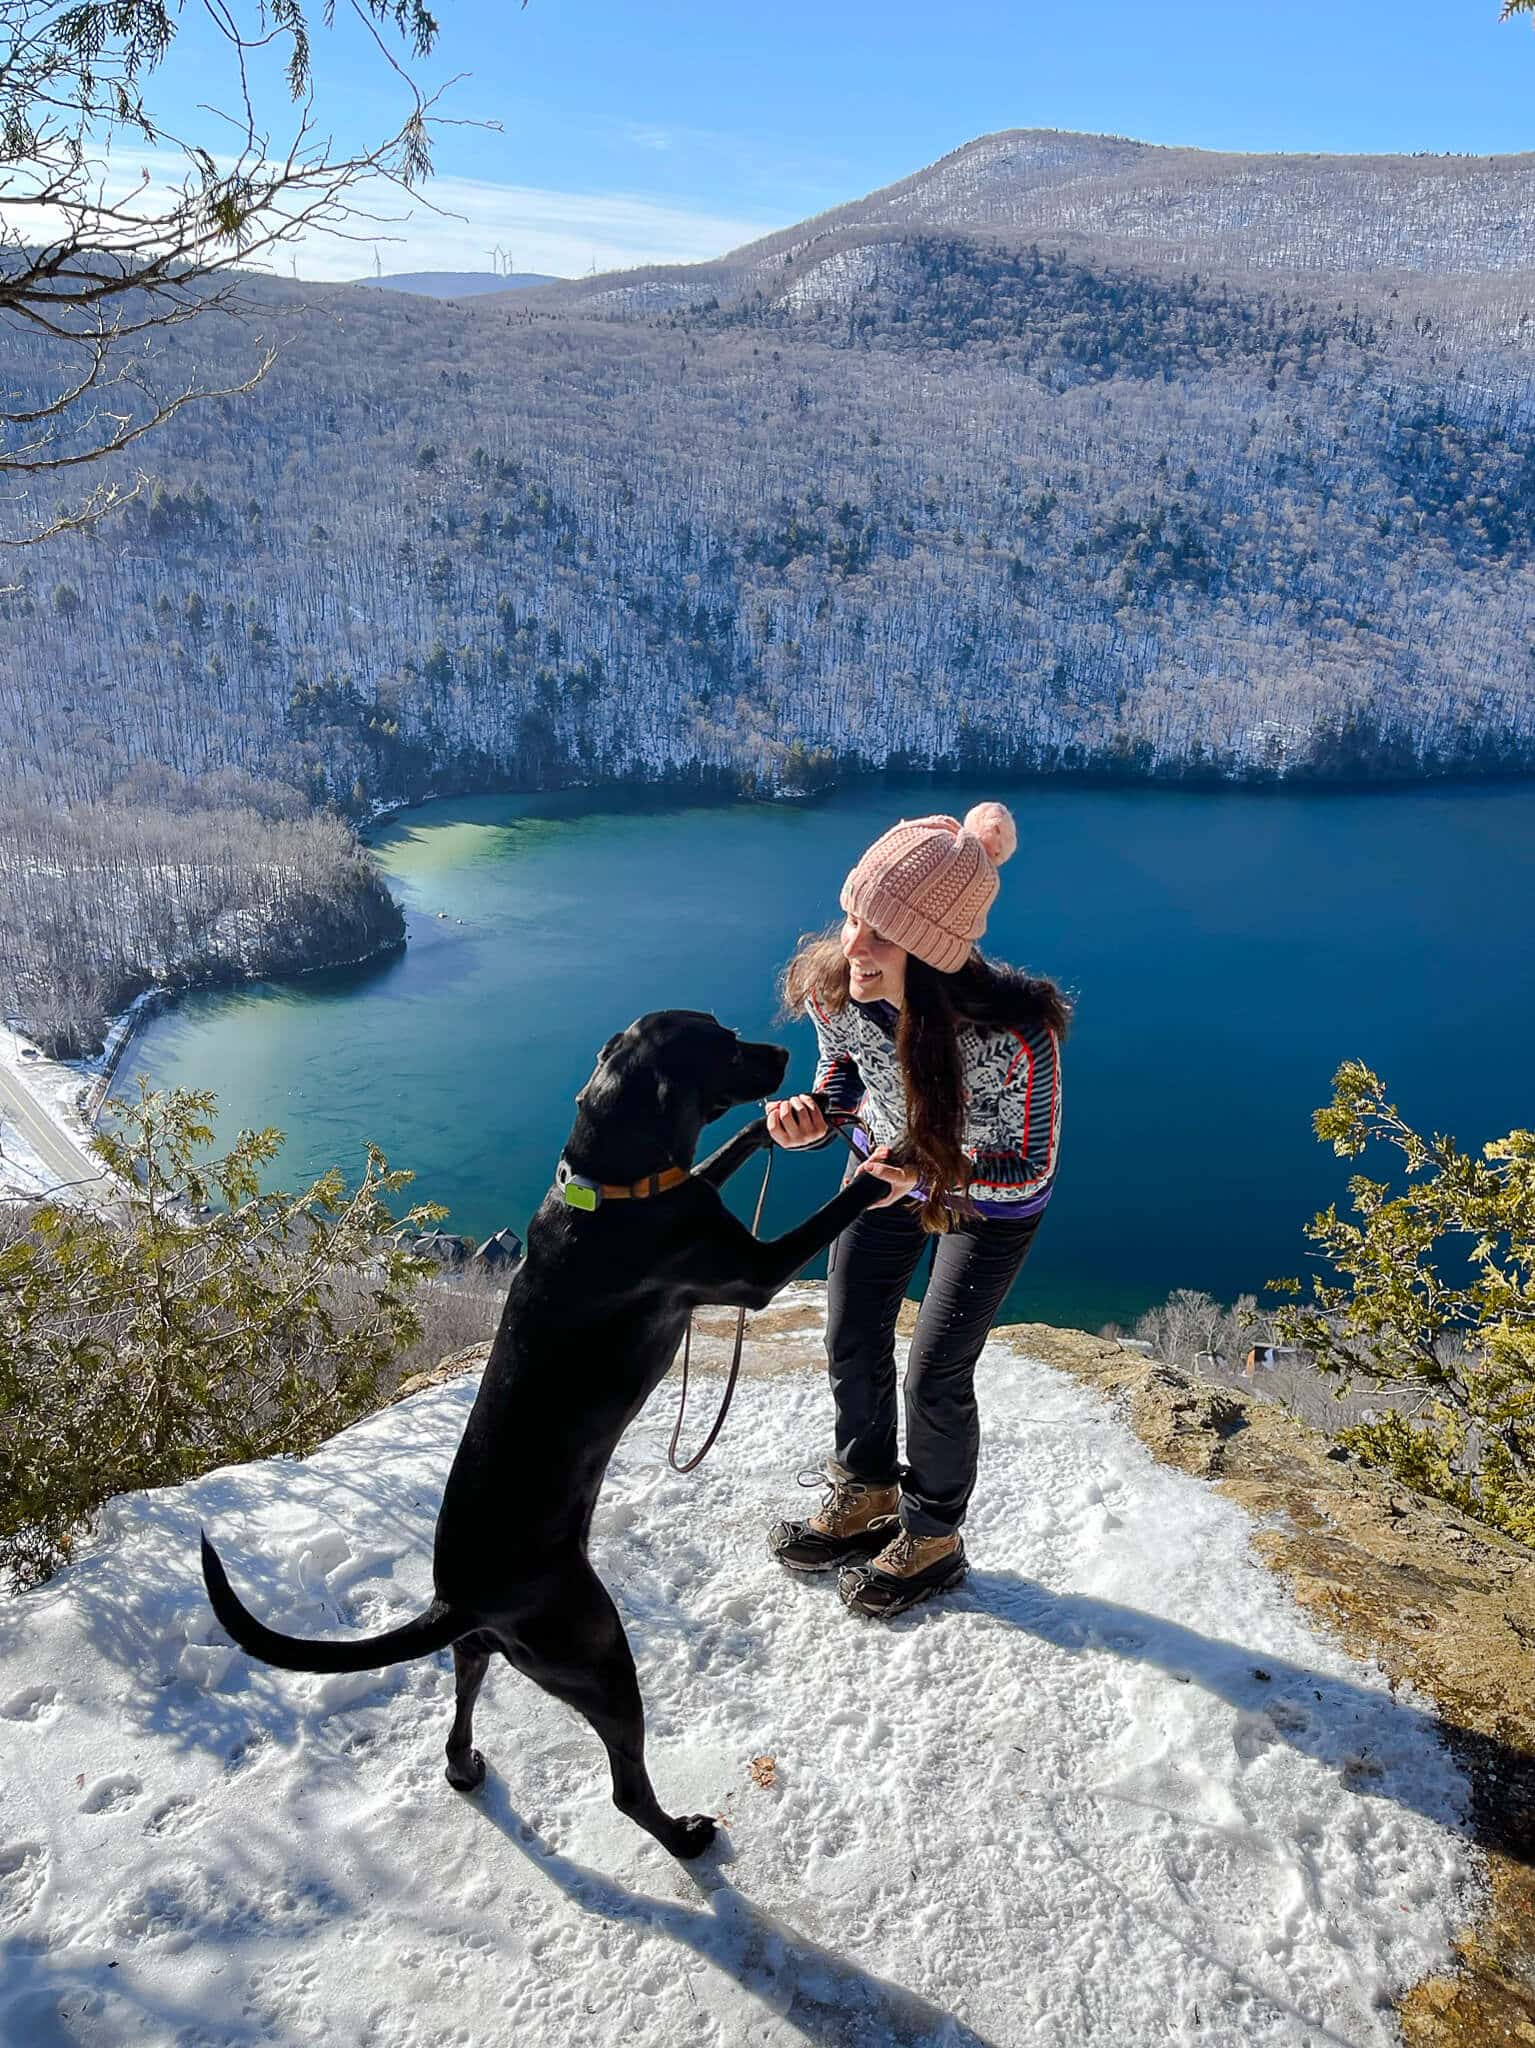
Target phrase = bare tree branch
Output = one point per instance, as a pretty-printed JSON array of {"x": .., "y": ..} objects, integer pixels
[{"x": 93, "y": 263}]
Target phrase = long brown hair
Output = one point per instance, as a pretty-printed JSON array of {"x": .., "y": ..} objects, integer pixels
[{"x": 982, "y": 991}]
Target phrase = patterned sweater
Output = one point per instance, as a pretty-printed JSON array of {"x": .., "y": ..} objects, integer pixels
[{"x": 1012, "y": 1084}]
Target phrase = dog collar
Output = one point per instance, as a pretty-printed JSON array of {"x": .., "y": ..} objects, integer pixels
[{"x": 580, "y": 1193}]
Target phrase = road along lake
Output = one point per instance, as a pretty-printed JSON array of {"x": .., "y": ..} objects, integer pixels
[{"x": 1226, "y": 952}]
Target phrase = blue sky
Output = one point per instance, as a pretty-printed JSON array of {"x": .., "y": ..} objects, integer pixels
[{"x": 644, "y": 130}]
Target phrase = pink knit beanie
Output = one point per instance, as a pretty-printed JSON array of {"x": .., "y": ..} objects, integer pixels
[{"x": 928, "y": 883}]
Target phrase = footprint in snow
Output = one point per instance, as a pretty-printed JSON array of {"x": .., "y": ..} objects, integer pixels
[
  {"x": 173, "y": 1815},
  {"x": 23, "y": 1866},
  {"x": 112, "y": 1795},
  {"x": 321, "y": 1556},
  {"x": 1252, "y": 1735},
  {"x": 1277, "y": 1722},
  {"x": 1289, "y": 1720},
  {"x": 248, "y": 1752},
  {"x": 32, "y": 1703}
]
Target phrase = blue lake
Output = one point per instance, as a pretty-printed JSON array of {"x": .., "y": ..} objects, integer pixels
[{"x": 1226, "y": 951}]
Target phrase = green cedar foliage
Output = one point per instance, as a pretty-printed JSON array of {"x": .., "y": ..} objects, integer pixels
[
  {"x": 201, "y": 1322},
  {"x": 1436, "y": 1300}
]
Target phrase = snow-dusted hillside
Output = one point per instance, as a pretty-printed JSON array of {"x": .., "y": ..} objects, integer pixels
[
  {"x": 1064, "y": 454},
  {"x": 1442, "y": 215},
  {"x": 1438, "y": 216},
  {"x": 1115, "y": 1790}
]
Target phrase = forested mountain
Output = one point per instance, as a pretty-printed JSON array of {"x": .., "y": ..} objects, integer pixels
[
  {"x": 1069, "y": 453},
  {"x": 1140, "y": 202},
  {"x": 99, "y": 901}
]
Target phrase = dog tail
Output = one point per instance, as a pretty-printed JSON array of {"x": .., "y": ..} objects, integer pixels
[{"x": 433, "y": 1630}]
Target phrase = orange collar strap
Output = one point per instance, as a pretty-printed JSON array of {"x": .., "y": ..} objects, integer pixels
[{"x": 580, "y": 1193}]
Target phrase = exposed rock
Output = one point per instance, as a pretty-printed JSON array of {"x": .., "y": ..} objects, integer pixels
[
  {"x": 783, "y": 1338},
  {"x": 471, "y": 1359}
]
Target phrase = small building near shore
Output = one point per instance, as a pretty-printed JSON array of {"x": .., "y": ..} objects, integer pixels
[
  {"x": 440, "y": 1245},
  {"x": 499, "y": 1251}
]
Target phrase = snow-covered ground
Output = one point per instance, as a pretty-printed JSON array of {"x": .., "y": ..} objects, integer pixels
[
  {"x": 23, "y": 1170},
  {"x": 1116, "y": 1790},
  {"x": 61, "y": 1091},
  {"x": 55, "y": 1089}
]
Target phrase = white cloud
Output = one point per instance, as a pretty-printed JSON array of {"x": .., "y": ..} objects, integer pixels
[
  {"x": 564, "y": 233},
  {"x": 649, "y": 138}
]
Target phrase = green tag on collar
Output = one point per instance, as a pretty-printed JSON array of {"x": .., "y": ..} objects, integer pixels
[{"x": 581, "y": 1194}]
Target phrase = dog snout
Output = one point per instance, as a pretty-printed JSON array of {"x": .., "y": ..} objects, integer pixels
[{"x": 765, "y": 1067}]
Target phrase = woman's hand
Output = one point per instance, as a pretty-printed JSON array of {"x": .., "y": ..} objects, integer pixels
[
  {"x": 796, "y": 1121},
  {"x": 902, "y": 1179}
]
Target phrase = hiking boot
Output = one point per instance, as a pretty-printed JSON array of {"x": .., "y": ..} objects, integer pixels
[
  {"x": 853, "y": 1521},
  {"x": 908, "y": 1569}
]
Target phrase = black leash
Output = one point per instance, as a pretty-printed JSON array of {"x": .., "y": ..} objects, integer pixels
[
  {"x": 839, "y": 1120},
  {"x": 735, "y": 1362}
]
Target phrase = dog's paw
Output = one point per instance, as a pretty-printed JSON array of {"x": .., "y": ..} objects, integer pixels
[
  {"x": 466, "y": 1773},
  {"x": 691, "y": 1836}
]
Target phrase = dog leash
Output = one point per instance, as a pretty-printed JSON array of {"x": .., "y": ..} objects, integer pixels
[
  {"x": 839, "y": 1121},
  {"x": 735, "y": 1361}
]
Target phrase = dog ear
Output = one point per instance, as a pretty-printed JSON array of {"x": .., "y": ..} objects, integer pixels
[
  {"x": 681, "y": 1081},
  {"x": 596, "y": 1074}
]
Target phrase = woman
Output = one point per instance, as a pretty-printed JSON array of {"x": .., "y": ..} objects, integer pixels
[{"x": 953, "y": 1062}]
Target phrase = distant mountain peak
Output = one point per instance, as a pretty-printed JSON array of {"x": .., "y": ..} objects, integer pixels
[
  {"x": 1227, "y": 208},
  {"x": 456, "y": 284},
  {"x": 1111, "y": 199}
]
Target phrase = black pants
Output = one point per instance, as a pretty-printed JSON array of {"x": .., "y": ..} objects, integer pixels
[{"x": 867, "y": 1272}]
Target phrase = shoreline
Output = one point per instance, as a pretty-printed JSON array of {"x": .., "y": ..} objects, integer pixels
[
  {"x": 677, "y": 794},
  {"x": 73, "y": 1092},
  {"x": 121, "y": 1032}
]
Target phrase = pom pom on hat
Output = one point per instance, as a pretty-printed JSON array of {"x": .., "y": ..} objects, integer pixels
[{"x": 993, "y": 825}]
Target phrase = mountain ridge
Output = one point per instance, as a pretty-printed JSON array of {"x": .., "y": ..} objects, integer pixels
[
  {"x": 907, "y": 497},
  {"x": 451, "y": 284},
  {"x": 1014, "y": 182}
]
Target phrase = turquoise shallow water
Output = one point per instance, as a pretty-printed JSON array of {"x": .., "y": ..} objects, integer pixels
[{"x": 1227, "y": 951}]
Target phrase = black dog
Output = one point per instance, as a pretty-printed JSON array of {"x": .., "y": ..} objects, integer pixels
[{"x": 619, "y": 1253}]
